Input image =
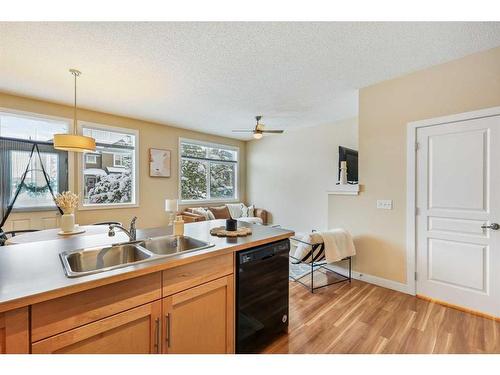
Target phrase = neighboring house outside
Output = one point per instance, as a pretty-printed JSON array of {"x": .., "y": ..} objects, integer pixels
[
  {"x": 93, "y": 168},
  {"x": 101, "y": 164}
]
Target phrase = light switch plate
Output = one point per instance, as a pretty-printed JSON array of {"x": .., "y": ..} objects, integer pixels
[{"x": 384, "y": 204}]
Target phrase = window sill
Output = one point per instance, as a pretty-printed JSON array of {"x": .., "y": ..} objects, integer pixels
[
  {"x": 34, "y": 209},
  {"x": 106, "y": 207},
  {"x": 202, "y": 202}
]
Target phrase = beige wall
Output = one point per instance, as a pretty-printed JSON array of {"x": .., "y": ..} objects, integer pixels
[
  {"x": 467, "y": 84},
  {"x": 153, "y": 190},
  {"x": 289, "y": 174}
]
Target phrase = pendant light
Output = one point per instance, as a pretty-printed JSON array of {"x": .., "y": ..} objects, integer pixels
[{"x": 74, "y": 142}]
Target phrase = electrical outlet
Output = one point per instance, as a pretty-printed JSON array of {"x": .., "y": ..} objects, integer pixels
[{"x": 384, "y": 204}]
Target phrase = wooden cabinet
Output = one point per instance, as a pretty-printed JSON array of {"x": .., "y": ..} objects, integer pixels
[
  {"x": 14, "y": 331},
  {"x": 74, "y": 310},
  {"x": 192, "y": 274},
  {"x": 185, "y": 309},
  {"x": 200, "y": 320},
  {"x": 135, "y": 331}
]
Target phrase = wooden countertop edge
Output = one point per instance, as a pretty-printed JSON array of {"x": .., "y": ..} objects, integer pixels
[{"x": 147, "y": 268}]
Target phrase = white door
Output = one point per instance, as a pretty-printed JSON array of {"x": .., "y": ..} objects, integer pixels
[{"x": 458, "y": 195}]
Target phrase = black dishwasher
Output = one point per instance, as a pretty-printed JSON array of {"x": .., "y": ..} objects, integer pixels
[{"x": 261, "y": 295}]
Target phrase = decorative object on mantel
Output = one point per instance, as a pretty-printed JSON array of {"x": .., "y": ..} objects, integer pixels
[
  {"x": 343, "y": 173},
  {"x": 74, "y": 142},
  {"x": 67, "y": 202},
  {"x": 222, "y": 232},
  {"x": 159, "y": 163},
  {"x": 348, "y": 163}
]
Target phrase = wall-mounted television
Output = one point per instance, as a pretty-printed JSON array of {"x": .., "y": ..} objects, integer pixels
[{"x": 351, "y": 157}]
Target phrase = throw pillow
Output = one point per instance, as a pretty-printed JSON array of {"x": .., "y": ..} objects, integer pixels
[
  {"x": 244, "y": 211},
  {"x": 221, "y": 212},
  {"x": 235, "y": 209},
  {"x": 251, "y": 211},
  {"x": 210, "y": 215},
  {"x": 200, "y": 211}
]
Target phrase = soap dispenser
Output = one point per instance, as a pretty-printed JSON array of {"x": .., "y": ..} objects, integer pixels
[{"x": 178, "y": 226}]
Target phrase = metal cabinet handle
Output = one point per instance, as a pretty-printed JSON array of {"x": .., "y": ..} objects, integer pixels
[
  {"x": 168, "y": 338},
  {"x": 493, "y": 226},
  {"x": 157, "y": 335}
]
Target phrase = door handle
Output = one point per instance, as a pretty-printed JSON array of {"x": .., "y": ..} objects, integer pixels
[
  {"x": 268, "y": 256},
  {"x": 157, "y": 335},
  {"x": 167, "y": 338},
  {"x": 493, "y": 226}
]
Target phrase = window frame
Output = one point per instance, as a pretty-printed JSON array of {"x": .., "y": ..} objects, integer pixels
[
  {"x": 236, "y": 172},
  {"x": 70, "y": 160},
  {"x": 93, "y": 156},
  {"x": 81, "y": 178},
  {"x": 115, "y": 159}
]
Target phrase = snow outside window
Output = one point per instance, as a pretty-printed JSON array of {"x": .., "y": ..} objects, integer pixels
[{"x": 109, "y": 176}]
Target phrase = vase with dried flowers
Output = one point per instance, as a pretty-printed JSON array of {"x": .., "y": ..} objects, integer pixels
[{"x": 67, "y": 201}]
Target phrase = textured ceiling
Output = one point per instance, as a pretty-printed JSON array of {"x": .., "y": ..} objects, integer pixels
[{"x": 213, "y": 77}]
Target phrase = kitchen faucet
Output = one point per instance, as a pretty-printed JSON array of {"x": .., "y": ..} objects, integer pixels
[{"x": 131, "y": 233}]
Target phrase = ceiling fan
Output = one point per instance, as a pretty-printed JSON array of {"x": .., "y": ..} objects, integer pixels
[{"x": 259, "y": 130}]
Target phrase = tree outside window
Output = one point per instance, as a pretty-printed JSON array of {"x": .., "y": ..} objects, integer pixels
[
  {"x": 207, "y": 171},
  {"x": 109, "y": 177}
]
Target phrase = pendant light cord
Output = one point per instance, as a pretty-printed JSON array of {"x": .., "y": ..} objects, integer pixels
[
  {"x": 74, "y": 110},
  {"x": 76, "y": 73}
]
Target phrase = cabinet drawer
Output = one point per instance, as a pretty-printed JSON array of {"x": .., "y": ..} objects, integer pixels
[
  {"x": 135, "y": 331},
  {"x": 62, "y": 314},
  {"x": 184, "y": 277}
]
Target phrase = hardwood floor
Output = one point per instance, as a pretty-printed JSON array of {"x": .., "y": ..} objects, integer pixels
[{"x": 364, "y": 318}]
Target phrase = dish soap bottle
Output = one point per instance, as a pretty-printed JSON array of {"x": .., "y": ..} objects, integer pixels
[{"x": 178, "y": 226}]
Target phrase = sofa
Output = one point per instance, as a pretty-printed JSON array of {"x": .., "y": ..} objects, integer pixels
[{"x": 236, "y": 211}]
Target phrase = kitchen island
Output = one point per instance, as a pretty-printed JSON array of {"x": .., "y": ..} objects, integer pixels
[{"x": 179, "y": 304}]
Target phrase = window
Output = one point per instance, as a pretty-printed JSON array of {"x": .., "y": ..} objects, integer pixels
[
  {"x": 35, "y": 192},
  {"x": 121, "y": 160},
  {"x": 110, "y": 173},
  {"x": 16, "y": 130},
  {"x": 30, "y": 127},
  {"x": 91, "y": 159},
  {"x": 208, "y": 172}
]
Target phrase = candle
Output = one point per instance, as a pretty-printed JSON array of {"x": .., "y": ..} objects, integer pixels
[{"x": 171, "y": 205}]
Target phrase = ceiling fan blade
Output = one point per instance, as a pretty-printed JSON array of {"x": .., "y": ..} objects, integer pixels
[
  {"x": 272, "y": 131},
  {"x": 242, "y": 131}
]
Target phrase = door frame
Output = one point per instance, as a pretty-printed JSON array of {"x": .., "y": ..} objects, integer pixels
[{"x": 411, "y": 181}]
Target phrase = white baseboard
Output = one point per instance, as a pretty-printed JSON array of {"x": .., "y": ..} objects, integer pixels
[{"x": 385, "y": 283}]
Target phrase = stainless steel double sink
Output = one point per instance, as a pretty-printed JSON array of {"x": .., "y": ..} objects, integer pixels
[{"x": 93, "y": 260}]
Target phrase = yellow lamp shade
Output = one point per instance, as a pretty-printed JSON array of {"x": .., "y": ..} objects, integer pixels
[{"x": 76, "y": 143}]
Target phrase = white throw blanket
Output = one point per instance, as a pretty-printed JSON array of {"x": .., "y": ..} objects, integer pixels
[{"x": 338, "y": 244}]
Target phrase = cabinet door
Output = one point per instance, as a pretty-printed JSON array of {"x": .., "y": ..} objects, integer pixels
[
  {"x": 135, "y": 331},
  {"x": 14, "y": 331},
  {"x": 200, "y": 320}
]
